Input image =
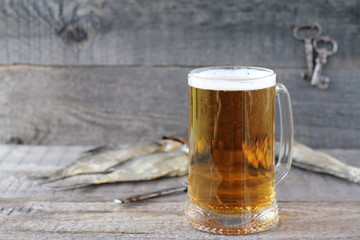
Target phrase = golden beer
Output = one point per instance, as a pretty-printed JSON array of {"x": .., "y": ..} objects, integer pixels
[
  {"x": 232, "y": 149},
  {"x": 232, "y": 173}
]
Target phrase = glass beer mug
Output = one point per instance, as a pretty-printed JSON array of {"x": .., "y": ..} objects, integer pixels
[{"x": 232, "y": 170}]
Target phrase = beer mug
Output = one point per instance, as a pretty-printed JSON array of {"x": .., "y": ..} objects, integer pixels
[{"x": 232, "y": 170}]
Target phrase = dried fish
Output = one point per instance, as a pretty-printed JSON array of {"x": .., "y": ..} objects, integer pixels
[
  {"x": 102, "y": 159},
  {"x": 138, "y": 162},
  {"x": 316, "y": 161},
  {"x": 146, "y": 167}
]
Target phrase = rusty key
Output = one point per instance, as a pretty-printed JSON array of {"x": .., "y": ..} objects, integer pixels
[
  {"x": 308, "y": 46},
  {"x": 323, "y": 53}
]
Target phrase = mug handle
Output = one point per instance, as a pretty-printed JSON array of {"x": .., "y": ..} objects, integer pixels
[{"x": 286, "y": 132}]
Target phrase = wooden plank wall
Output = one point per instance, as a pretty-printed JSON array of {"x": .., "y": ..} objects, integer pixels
[{"x": 89, "y": 72}]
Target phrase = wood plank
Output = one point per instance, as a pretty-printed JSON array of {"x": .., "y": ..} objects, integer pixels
[
  {"x": 184, "y": 33},
  {"x": 308, "y": 202},
  {"x": 26, "y": 219},
  {"x": 20, "y": 163},
  {"x": 96, "y": 105}
]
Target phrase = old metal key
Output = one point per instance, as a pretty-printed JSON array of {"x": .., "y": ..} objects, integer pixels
[
  {"x": 308, "y": 46},
  {"x": 323, "y": 53}
]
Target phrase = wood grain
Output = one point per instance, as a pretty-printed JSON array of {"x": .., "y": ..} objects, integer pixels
[
  {"x": 312, "y": 206},
  {"x": 96, "y": 105},
  {"x": 183, "y": 33},
  {"x": 164, "y": 220}
]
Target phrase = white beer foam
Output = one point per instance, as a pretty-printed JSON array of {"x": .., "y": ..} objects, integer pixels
[{"x": 232, "y": 78}]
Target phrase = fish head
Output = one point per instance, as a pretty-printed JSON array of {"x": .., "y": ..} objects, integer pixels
[{"x": 169, "y": 145}]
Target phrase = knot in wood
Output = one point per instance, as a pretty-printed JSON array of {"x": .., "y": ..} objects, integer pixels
[{"x": 78, "y": 34}]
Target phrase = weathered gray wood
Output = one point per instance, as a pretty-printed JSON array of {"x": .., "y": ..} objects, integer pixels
[
  {"x": 315, "y": 206},
  {"x": 96, "y": 105},
  {"x": 165, "y": 32},
  {"x": 26, "y": 219},
  {"x": 93, "y": 106}
]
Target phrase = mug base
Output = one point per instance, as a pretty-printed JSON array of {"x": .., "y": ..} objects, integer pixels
[{"x": 227, "y": 224}]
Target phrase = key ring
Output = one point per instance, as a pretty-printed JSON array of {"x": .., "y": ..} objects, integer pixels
[
  {"x": 325, "y": 39},
  {"x": 297, "y": 29}
]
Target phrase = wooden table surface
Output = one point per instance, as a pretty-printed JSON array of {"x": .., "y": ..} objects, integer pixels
[{"x": 312, "y": 206}]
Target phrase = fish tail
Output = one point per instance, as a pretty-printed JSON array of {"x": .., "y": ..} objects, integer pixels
[
  {"x": 71, "y": 187},
  {"x": 53, "y": 179},
  {"x": 43, "y": 177},
  {"x": 39, "y": 177},
  {"x": 78, "y": 185}
]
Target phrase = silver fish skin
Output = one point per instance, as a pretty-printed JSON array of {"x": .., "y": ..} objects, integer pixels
[
  {"x": 309, "y": 159},
  {"x": 148, "y": 167},
  {"x": 101, "y": 159},
  {"x": 142, "y": 168}
]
